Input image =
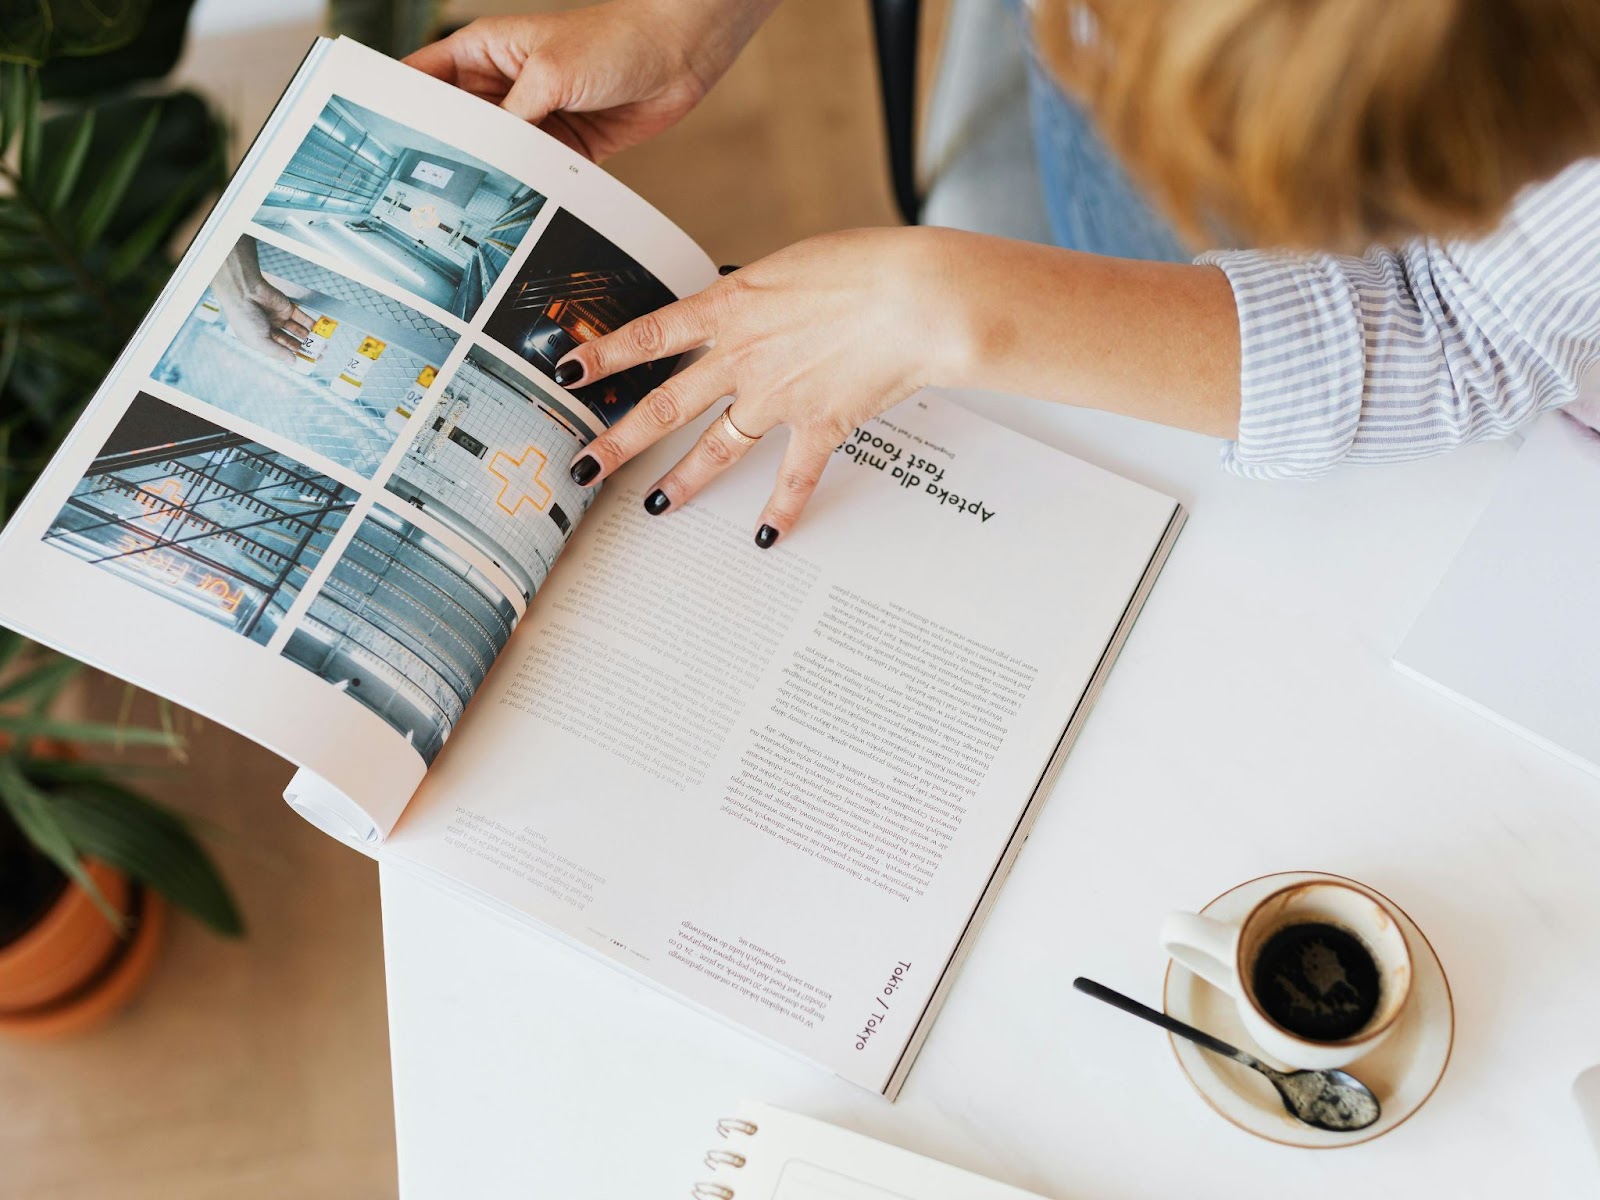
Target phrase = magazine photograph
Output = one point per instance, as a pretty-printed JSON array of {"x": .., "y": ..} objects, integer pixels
[{"x": 388, "y": 199}]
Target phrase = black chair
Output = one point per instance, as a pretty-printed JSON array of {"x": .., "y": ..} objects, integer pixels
[
  {"x": 896, "y": 25},
  {"x": 971, "y": 162}
]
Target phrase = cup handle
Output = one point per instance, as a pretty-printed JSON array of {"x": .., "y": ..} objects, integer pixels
[{"x": 1202, "y": 945}]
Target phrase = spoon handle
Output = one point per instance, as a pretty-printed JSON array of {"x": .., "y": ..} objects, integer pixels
[{"x": 1171, "y": 1024}]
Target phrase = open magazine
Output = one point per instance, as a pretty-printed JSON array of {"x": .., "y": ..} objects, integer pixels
[{"x": 323, "y": 498}]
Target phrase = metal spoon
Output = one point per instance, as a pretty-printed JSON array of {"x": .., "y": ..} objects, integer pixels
[{"x": 1334, "y": 1100}]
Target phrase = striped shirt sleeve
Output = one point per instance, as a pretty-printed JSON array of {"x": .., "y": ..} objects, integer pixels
[{"x": 1409, "y": 352}]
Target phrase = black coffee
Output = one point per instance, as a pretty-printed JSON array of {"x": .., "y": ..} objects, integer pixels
[{"x": 1316, "y": 981}]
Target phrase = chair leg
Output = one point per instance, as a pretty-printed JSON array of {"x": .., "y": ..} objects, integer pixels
[{"x": 895, "y": 25}]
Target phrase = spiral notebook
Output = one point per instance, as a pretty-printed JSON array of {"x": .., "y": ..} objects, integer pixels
[{"x": 765, "y": 1153}]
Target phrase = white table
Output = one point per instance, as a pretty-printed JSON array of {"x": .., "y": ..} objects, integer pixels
[{"x": 1254, "y": 724}]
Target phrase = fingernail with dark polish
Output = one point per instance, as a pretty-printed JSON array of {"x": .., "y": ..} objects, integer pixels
[
  {"x": 568, "y": 373},
  {"x": 585, "y": 469},
  {"x": 727, "y": 269},
  {"x": 765, "y": 536},
  {"x": 657, "y": 503}
]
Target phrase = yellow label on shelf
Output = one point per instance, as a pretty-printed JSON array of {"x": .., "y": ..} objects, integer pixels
[
  {"x": 426, "y": 376},
  {"x": 371, "y": 347}
]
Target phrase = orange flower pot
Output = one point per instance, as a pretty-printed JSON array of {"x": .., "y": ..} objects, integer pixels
[{"x": 70, "y": 971}]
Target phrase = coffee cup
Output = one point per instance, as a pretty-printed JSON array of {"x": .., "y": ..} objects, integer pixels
[{"x": 1320, "y": 971}]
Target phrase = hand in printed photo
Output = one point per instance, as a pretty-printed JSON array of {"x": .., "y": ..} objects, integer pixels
[{"x": 258, "y": 314}]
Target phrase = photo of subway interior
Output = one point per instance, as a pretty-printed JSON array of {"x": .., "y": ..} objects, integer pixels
[
  {"x": 575, "y": 286},
  {"x": 221, "y": 525},
  {"x": 404, "y": 626},
  {"x": 490, "y": 462},
  {"x": 403, "y": 205}
]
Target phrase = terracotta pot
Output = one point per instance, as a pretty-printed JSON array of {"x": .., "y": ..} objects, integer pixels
[{"x": 70, "y": 971}]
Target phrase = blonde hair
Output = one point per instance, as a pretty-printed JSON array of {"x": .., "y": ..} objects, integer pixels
[{"x": 1334, "y": 123}]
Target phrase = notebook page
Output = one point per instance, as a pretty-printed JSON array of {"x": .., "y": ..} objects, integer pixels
[
  {"x": 790, "y": 1157},
  {"x": 1536, "y": 550}
]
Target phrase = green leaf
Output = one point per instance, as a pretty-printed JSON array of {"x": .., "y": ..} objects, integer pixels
[
  {"x": 189, "y": 137},
  {"x": 41, "y": 684},
  {"x": 13, "y": 79},
  {"x": 12, "y": 643},
  {"x": 40, "y": 291},
  {"x": 72, "y": 162},
  {"x": 68, "y": 27},
  {"x": 23, "y": 728},
  {"x": 28, "y": 164},
  {"x": 46, "y": 771},
  {"x": 154, "y": 846},
  {"x": 33, "y": 812},
  {"x": 396, "y": 27},
  {"x": 69, "y": 353},
  {"x": 148, "y": 238},
  {"x": 150, "y": 53},
  {"x": 107, "y": 195},
  {"x": 26, "y": 37},
  {"x": 17, "y": 255},
  {"x": 10, "y": 339},
  {"x": 5, "y": 500}
]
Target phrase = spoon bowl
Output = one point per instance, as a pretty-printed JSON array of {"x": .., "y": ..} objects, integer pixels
[{"x": 1333, "y": 1100}]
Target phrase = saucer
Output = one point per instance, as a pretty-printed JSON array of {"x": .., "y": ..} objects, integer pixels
[{"x": 1402, "y": 1071}]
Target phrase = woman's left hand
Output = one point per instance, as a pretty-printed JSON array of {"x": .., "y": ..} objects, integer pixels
[{"x": 820, "y": 337}]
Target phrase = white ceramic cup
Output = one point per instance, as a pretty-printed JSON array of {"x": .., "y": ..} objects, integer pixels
[{"x": 1224, "y": 955}]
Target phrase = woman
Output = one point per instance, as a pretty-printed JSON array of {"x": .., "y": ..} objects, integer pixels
[{"x": 1454, "y": 136}]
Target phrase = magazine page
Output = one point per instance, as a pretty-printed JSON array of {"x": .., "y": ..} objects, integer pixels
[
  {"x": 317, "y": 493},
  {"x": 777, "y": 782}
]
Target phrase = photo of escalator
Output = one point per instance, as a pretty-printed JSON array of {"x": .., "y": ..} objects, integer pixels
[
  {"x": 202, "y": 516},
  {"x": 576, "y": 285},
  {"x": 402, "y": 205},
  {"x": 404, "y": 626}
]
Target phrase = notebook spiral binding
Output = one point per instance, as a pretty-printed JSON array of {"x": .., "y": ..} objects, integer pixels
[{"x": 719, "y": 1157}]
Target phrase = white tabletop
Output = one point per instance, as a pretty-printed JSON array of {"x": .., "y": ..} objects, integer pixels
[{"x": 1254, "y": 724}]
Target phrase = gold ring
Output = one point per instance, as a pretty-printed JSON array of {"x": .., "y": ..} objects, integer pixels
[{"x": 734, "y": 432}]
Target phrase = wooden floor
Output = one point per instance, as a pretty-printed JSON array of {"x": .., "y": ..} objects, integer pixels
[{"x": 260, "y": 1069}]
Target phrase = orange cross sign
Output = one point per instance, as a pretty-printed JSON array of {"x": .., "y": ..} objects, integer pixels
[
  {"x": 521, "y": 480},
  {"x": 162, "y": 500}
]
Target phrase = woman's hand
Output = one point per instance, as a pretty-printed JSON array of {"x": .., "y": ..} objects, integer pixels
[
  {"x": 600, "y": 79},
  {"x": 819, "y": 337},
  {"x": 258, "y": 314},
  {"x": 834, "y": 330}
]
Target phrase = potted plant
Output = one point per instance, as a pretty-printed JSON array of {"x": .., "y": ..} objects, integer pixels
[
  {"x": 87, "y": 865},
  {"x": 95, "y": 181}
]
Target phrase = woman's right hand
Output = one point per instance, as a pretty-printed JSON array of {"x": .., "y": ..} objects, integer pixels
[{"x": 600, "y": 79}]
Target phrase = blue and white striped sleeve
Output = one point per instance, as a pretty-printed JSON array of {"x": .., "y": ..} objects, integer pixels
[{"x": 1409, "y": 352}]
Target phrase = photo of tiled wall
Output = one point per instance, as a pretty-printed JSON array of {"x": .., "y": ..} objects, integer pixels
[{"x": 339, "y": 391}]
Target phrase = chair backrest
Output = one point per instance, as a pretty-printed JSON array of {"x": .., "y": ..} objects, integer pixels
[{"x": 895, "y": 27}]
